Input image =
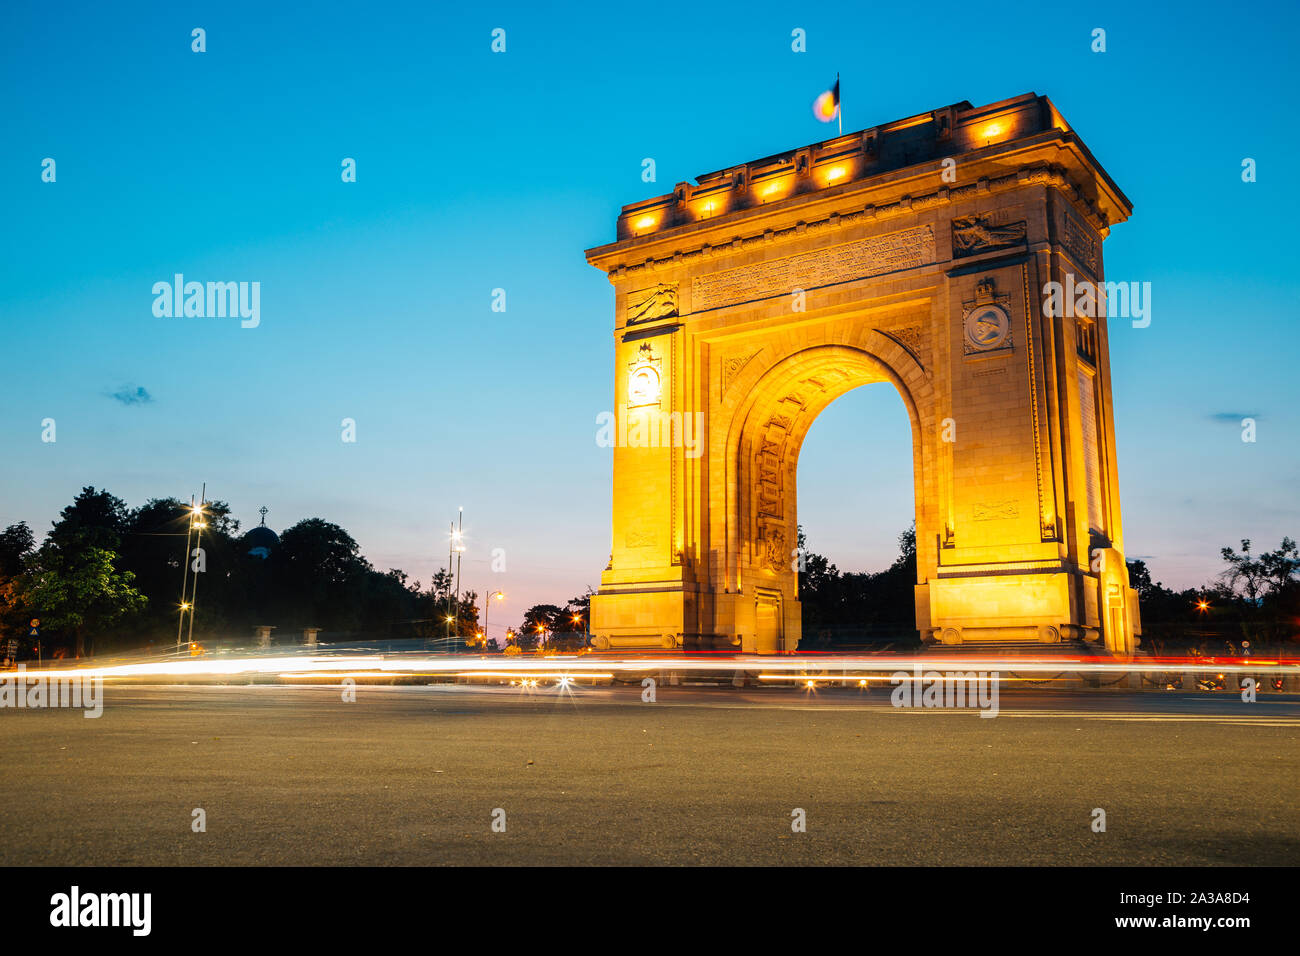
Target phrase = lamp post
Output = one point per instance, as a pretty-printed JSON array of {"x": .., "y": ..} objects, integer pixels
[
  {"x": 487, "y": 636},
  {"x": 196, "y": 515},
  {"x": 455, "y": 548},
  {"x": 460, "y": 550},
  {"x": 198, "y": 546},
  {"x": 451, "y": 548},
  {"x": 185, "y": 574}
]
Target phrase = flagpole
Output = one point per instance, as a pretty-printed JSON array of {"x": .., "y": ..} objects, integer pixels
[{"x": 839, "y": 113}]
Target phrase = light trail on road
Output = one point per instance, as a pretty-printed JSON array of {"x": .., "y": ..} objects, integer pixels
[{"x": 817, "y": 668}]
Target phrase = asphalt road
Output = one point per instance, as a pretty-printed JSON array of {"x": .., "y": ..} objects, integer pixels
[{"x": 412, "y": 775}]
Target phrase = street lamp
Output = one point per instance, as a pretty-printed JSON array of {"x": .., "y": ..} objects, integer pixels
[
  {"x": 455, "y": 547},
  {"x": 451, "y": 550},
  {"x": 487, "y": 607},
  {"x": 195, "y": 515},
  {"x": 197, "y": 512}
]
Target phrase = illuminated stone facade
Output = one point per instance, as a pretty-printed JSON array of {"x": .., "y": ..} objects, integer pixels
[{"x": 915, "y": 253}]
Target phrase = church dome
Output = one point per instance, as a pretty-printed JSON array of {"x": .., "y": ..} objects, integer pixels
[{"x": 261, "y": 541}]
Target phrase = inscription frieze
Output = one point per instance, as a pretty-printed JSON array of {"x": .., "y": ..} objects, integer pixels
[{"x": 860, "y": 259}]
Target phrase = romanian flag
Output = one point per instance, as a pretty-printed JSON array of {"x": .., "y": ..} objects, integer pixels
[{"x": 827, "y": 106}]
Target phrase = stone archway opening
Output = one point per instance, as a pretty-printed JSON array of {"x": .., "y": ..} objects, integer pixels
[
  {"x": 856, "y": 505},
  {"x": 770, "y": 429}
]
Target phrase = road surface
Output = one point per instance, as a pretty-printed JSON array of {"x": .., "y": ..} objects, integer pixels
[{"x": 412, "y": 775}]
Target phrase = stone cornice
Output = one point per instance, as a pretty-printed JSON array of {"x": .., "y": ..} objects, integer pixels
[{"x": 1052, "y": 176}]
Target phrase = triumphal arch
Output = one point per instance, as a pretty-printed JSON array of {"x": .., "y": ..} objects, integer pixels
[{"x": 918, "y": 253}]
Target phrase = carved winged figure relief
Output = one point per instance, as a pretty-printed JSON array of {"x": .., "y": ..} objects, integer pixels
[{"x": 657, "y": 302}]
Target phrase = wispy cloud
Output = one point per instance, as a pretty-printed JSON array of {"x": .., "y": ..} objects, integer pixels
[
  {"x": 1233, "y": 418},
  {"x": 132, "y": 395}
]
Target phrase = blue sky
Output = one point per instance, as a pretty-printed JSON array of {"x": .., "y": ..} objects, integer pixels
[{"x": 478, "y": 171}]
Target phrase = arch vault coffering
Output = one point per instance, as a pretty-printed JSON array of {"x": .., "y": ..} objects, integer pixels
[{"x": 748, "y": 302}]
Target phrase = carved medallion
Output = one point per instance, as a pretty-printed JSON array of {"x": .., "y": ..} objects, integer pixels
[
  {"x": 987, "y": 323},
  {"x": 988, "y": 327},
  {"x": 644, "y": 382}
]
